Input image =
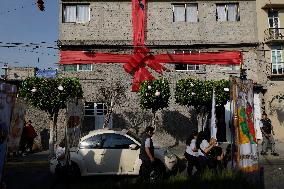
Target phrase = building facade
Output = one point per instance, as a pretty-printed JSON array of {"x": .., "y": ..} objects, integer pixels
[
  {"x": 97, "y": 26},
  {"x": 270, "y": 23}
]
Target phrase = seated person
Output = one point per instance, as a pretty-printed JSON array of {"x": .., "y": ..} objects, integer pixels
[{"x": 216, "y": 155}]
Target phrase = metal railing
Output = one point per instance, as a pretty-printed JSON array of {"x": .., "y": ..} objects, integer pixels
[
  {"x": 277, "y": 68},
  {"x": 274, "y": 34}
]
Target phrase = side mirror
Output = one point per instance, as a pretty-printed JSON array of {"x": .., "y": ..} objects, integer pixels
[{"x": 133, "y": 146}]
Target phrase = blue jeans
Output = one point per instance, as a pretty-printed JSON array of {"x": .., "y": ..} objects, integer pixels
[{"x": 268, "y": 139}]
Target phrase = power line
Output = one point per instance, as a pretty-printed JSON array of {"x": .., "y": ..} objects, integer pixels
[{"x": 12, "y": 10}]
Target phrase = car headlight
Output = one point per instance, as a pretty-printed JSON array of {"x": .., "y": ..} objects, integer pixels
[{"x": 169, "y": 154}]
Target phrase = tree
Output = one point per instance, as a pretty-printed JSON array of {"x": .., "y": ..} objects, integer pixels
[
  {"x": 154, "y": 95},
  {"x": 111, "y": 95},
  {"x": 40, "y": 5},
  {"x": 50, "y": 95},
  {"x": 198, "y": 94}
]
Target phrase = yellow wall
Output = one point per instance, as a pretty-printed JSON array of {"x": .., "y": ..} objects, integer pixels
[{"x": 262, "y": 23}]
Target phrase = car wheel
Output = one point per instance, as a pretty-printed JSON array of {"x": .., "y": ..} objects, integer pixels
[{"x": 74, "y": 170}]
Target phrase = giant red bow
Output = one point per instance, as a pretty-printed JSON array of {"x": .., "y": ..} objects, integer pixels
[{"x": 136, "y": 63}]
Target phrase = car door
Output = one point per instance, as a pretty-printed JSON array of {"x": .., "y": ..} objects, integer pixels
[
  {"x": 92, "y": 153},
  {"x": 118, "y": 158},
  {"x": 129, "y": 156}
]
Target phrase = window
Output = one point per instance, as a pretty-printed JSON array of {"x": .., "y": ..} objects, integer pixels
[
  {"x": 186, "y": 67},
  {"x": 277, "y": 60},
  {"x": 84, "y": 67},
  {"x": 227, "y": 12},
  {"x": 129, "y": 133},
  {"x": 76, "y": 13},
  {"x": 93, "y": 109},
  {"x": 185, "y": 12},
  {"x": 77, "y": 67},
  {"x": 274, "y": 25},
  {"x": 230, "y": 67},
  {"x": 70, "y": 68},
  {"x": 115, "y": 141},
  {"x": 273, "y": 19},
  {"x": 93, "y": 142},
  {"x": 89, "y": 109}
]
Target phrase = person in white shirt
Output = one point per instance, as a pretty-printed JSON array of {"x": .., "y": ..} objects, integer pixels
[
  {"x": 204, "y": 147},
  {"x": 60, "y": 155},
  {"x": 191, "y": 153}
]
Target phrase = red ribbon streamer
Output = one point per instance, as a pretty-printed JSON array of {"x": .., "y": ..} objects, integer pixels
[{"x": 135, "y": 63}]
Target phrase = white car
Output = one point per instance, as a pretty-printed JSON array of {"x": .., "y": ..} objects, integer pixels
[{"x": 112, "y": 152}]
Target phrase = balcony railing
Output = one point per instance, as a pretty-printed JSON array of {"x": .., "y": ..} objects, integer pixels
[
  {"x": 277, "y": 69},
  {"x": 274, "y": 35}
]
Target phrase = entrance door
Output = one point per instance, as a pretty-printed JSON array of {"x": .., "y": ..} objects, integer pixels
[
  {"x": 94, "y": 116},
  {"x": 92, "y": 153},
  {"x": 100, "y": 112},
  {"x": 117, "y": 157}
]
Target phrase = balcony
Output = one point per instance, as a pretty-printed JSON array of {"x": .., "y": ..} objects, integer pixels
[
  {"x": 274, "y": 35},
  {"x": 268, "y": 4},
  {"x": 277, "y": 69}
]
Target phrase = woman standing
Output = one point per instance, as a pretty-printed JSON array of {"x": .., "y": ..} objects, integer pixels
[
  {"x": 30, "y": 135},
  {"x": 191, "y": 153}
]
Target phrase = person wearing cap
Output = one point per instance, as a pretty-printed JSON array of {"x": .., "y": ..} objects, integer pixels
[{"x": 267, "y": 135}]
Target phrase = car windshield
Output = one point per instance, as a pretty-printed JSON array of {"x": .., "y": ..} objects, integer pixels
[{"x": 133, "y": 135}]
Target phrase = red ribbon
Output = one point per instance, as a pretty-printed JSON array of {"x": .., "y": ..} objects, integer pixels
[{"x": 136, "y": 63}]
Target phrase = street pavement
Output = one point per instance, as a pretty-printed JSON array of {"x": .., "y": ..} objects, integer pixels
[
  {"x": 28, "y": 172},
  {"x": 273, "y": 168},
  {"x": 32, "y": 171}
]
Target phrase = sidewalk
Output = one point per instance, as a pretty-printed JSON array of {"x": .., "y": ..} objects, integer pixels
[
  {"x": 35, "y": 158},
  {"x": 273, "y": 167}
]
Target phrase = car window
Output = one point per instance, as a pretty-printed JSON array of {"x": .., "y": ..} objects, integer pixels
[
  {"x": 133, "y": 136},
  {"x": 93, "y": 142},
  {"x": 115, "y": 141}
]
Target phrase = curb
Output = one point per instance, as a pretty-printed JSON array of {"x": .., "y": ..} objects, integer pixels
[{"x": 26, "y": 163}]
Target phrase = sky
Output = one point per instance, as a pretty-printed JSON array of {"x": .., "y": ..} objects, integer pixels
[{"x": 27, "y": 35}]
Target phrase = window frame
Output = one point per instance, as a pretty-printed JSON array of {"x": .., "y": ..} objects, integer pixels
[
  {"x": 278, "y": 64},
  {"x": 238, "y": 16},
  {"x": 187, "y": 65},
  {"x": 75, "y": 4},
  {"x": 277, "y": 49},
  {"x": 185, "y": 11},
  {"x": 273, "y": 17},
  {"x": 84, "y": 70},
  {"x": 77, "y": 66},
  {"x": 229, "y": 68},
  {"x": 95, "y": 109}
]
